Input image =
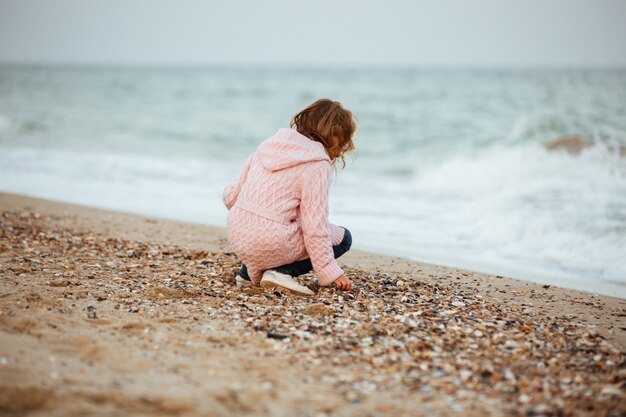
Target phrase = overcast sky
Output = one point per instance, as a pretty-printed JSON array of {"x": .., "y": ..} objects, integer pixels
[{"x": 451, "y": 33}]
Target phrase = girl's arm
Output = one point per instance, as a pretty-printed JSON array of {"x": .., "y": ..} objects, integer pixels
[
  {"x": 229, "y": 196},
  {"x": 314, "y": 220}
]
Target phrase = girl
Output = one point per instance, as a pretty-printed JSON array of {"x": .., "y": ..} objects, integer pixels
[{"x": 278, "y": 207}]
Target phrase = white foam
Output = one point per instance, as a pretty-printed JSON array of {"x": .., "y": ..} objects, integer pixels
[
  {"x": 187, "y": 190},
  {"x": 519, "y": 211}
]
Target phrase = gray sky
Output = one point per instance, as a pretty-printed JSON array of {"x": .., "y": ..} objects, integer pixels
[{"x": 525, "y": 33}]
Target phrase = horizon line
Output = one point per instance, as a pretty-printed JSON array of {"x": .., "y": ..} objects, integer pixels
[{"x": 303, "y": 66}]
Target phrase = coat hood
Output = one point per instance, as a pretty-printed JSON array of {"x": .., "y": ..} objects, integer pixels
[{"x": 288, "y": 148}]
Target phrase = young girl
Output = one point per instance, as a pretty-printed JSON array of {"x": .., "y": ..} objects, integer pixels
[{"x": 278, "y": 207}]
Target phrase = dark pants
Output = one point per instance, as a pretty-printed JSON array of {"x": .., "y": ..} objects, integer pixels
[{"x": 304, "y": 266}]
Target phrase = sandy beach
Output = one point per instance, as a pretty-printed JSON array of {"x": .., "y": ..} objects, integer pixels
[{"x": 107, "y": 313}]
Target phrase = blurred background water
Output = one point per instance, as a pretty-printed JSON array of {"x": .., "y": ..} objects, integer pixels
[{"x": 451, "y": 166}]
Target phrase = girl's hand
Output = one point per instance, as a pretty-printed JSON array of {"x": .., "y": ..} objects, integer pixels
[{"x": 343, "y": 283}]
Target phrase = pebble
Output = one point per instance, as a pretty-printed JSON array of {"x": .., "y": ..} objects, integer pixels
[
  {"x": 271, "y": 335},
  {"x": 91, "y": 312},
  {"x": 510, "y": 344},
  {"x": 612, "y": 390}
]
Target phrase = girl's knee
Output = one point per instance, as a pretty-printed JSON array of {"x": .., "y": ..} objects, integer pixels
[{"x": 346, "y": 243}]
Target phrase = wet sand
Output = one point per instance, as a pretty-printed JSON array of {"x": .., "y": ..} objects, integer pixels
[{"x": 108, "y": 313}]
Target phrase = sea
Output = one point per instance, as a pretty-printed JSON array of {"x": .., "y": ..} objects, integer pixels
[{"x": 451, "y": 166}]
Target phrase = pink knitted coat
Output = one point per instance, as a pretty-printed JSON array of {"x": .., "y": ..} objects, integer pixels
[{"x": 278, "y": 207}]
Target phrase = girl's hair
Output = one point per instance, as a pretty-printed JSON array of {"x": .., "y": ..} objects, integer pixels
[{"x": 328, "y": 123}]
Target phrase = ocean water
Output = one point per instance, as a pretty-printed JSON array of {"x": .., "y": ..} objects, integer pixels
[{"x": 450, "y": 166}]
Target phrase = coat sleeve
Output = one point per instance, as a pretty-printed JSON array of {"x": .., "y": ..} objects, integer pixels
[
  {"x": 316, "y": 229},
  {"x": 229, "y": 196}
]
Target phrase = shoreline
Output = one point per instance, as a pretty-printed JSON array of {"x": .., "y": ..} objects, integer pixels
[
  {"x": 214, "y": 238},
  {"x": 609, "y": 288},
  {"x": 538, "y": 276},
  {"x": 82, "y": 286}
]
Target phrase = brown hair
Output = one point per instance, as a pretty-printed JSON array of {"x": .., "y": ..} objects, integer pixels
[{"x": 328, "y": 123}]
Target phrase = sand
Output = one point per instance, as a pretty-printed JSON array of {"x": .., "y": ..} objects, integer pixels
[{"x": 108, "y": 313}]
